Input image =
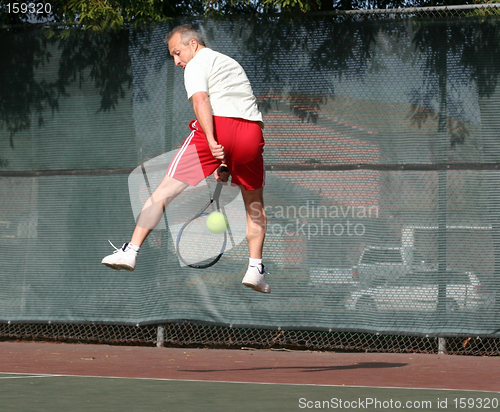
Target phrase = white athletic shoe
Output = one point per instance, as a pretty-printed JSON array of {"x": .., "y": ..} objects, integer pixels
[
  {"x": 122, "y": 258},
  {"x": 256, "y": 280}
]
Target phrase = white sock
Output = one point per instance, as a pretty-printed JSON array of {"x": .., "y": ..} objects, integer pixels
[
  {"x": 255, "y": 262},
  {"x": 133, "y": 247}
]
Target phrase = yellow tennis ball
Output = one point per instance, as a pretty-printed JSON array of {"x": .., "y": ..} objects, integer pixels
[{"x": 217, "y": 222}]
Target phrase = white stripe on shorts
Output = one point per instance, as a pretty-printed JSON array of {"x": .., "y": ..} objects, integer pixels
[{"x": 177, "y": 158}]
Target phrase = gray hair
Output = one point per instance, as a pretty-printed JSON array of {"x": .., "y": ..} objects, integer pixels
[{"x": 188, "y": 33}]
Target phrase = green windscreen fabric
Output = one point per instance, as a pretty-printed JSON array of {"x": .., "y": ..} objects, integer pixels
[{"x": 382, "y": 183}]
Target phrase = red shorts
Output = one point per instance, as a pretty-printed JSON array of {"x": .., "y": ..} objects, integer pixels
[{"x": 243, "y": 144}]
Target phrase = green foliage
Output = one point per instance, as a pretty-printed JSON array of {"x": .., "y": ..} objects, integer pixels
[
  {"x": 100, "y": 15},
  {"x": 293, "y": 6}
]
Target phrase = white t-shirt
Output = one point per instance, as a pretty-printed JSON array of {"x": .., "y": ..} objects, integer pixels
[{"x": 225, "y": 82}]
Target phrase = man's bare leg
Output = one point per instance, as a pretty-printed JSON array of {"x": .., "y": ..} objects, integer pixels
[
  {"x": 255, "y": 276},
  {"x": 256, "y": 221},
  {"x": 152, "y": 212},
  {"x": 154, "y": 207}
]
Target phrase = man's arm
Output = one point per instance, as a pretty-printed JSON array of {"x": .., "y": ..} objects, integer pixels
[{"x": 203, "y": 113}]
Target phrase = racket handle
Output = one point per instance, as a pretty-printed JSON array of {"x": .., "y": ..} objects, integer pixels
[
  {"x": 216, "y": 195},
  {"x": 224, "y": 169}
]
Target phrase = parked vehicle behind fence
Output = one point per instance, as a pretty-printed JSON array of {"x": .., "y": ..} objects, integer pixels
[
  {"x": 419, "y": 291},
  {"x": 379, "y": 264}
]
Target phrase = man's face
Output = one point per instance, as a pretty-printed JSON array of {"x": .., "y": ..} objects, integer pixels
[{"x": 181, "y": 53}]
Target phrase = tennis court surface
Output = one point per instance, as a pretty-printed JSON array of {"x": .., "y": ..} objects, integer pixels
[{"x": 78, "y": 377}]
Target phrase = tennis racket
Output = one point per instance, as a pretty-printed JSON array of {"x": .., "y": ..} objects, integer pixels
[{"x": 196, "y": 245}]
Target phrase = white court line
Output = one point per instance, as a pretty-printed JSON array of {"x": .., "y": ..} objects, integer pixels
[
  {"x": 24, "y": 376},
  {"x": 242, "y": 382}
]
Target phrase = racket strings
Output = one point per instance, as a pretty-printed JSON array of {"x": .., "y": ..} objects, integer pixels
[{"x": 197, "y": 244}]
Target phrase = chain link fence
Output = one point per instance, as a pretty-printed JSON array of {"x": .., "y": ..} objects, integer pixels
[{"x": 188, "y": 334}]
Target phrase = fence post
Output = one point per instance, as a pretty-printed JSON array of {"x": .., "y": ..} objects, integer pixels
[
  {"x": 160, "y": 336},
  {"x": 441, "y": 345}
]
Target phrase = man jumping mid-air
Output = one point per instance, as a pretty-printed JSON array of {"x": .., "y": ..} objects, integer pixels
[{"x": 227, "y": 132}]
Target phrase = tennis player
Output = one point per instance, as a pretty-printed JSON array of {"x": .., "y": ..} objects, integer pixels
[{"x": 227, "y": 131}]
